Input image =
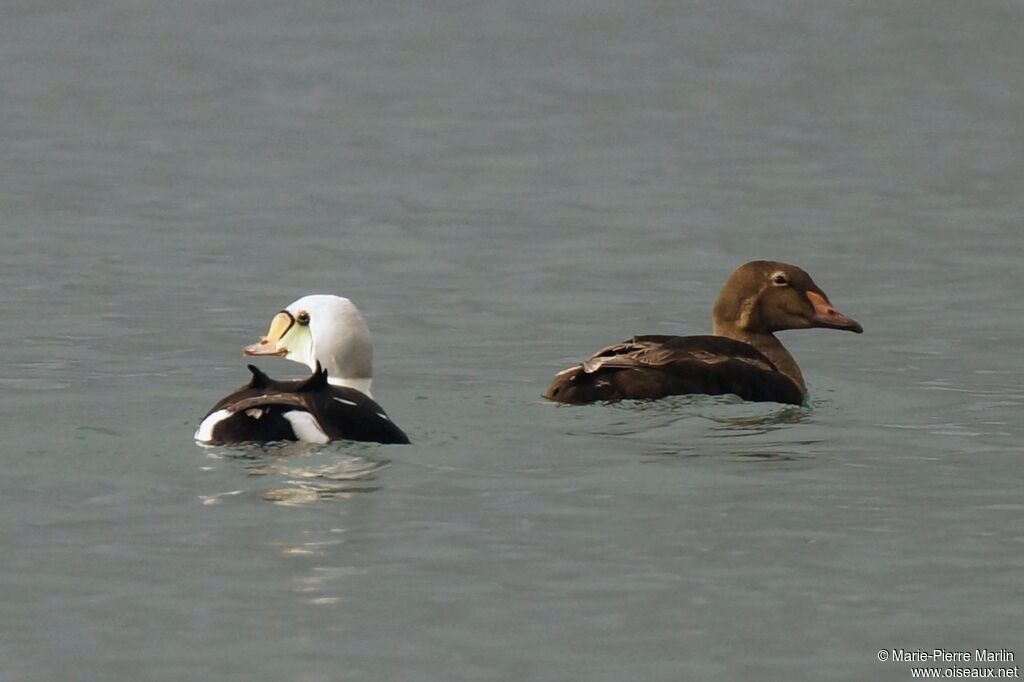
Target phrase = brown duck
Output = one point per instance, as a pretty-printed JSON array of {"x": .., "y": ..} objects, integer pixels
[{"x": 743, "y": 357}]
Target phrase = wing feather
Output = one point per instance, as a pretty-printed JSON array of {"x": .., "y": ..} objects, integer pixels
[{"x": 655, "y": 366}]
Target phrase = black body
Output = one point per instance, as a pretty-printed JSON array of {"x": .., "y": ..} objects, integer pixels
[{"x": 258, "y": 408}]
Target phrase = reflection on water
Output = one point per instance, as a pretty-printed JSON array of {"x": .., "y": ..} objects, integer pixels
[
  {"x": 777, "y": 419},
  {"x": 765, "y": 453},
  {"x": 217, "y": 498},
  {"x": 323, "y": 482},
  {"x": 731, "y": 415},
  {"x": 299, "y": 467},
  {"x": 689, "y": 426},
  {"x": 769, "y": 457}
]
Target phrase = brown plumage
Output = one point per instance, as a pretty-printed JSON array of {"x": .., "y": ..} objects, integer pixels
[{"x": 743, "y": 357}]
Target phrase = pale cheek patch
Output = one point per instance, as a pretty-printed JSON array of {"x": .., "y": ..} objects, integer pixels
[
  {"x": 745, "y": 312},
  {"x": 306, "y": 427},
  {"x": 204, "y": 434}
]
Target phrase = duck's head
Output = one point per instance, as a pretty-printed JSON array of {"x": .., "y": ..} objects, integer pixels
[
  {"x": 326, "y": 329},
  {"x": 768, "y": 296}
]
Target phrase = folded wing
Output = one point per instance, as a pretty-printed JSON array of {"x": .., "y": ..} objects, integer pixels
[
  {"x": 656, "y": 366},
  {"x": 310, "y": 410}
]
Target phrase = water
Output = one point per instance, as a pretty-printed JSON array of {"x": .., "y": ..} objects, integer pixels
[{"x": 504, "y": 188}]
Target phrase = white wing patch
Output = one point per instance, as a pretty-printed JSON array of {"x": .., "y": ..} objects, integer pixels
[
  {"x": 305, "y": 426},
  {"x": 383, "y": 416},
  {"x": 204, "y": 434},
  {"x": 345, "y": 402}
]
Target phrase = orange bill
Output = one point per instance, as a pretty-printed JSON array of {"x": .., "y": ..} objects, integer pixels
[
  {"x": 268, "y": 345},
  {"x": 827, "y": 316}
]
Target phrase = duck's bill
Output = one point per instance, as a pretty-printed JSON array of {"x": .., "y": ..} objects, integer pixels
[
  {"x": 270, "y": 344},
  {"x": 828, "y": 317}
]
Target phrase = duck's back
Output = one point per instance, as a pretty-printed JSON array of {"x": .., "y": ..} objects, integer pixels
[
  {"x": 265, "y": 410},
  {"x": 656, "y": 366}
]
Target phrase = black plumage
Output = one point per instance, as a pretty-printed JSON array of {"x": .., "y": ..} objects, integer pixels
[{"x": 257, "y": 411}]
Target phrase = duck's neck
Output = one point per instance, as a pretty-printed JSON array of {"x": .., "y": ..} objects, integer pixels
[
  {"x": 767, "y": 343},
  {"x": 335, "y": 377},
  {"x": 353, "y": 369},
  {"x": 362, "y": 384}
]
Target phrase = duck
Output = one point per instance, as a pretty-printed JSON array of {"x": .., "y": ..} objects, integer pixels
[
  {"x": 742, "y": 356},
  {"x": 328, "y": 334}
]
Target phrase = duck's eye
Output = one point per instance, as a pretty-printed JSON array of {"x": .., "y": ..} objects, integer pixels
[
  {"x": 779, "y": 279},
  {"x": 302, "y": 318}
]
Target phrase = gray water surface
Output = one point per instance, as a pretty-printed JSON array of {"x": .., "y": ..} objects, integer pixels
[{"x": 503, "y": 188}]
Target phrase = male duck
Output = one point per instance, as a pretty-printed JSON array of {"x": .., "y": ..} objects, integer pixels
[
  {"x": 328, "y": 334},
  {"x": 743, "y": 357}
]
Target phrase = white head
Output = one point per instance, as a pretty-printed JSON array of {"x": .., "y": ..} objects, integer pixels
[{"x": 326, "y": 329}]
